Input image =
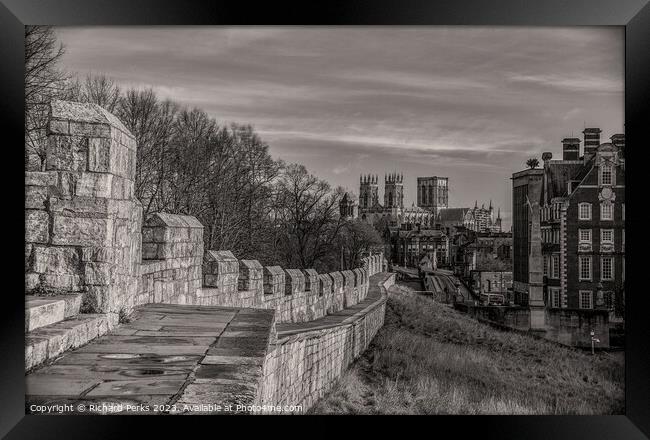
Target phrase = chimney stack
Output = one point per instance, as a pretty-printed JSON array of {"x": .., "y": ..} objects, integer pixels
[
  {"x": 618, "y": 141},
  {"x": 592, "y": 141},
  {"x": 570, "y": 149}
]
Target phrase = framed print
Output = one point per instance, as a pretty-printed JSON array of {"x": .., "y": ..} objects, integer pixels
[{"x": 361, "y": 209}]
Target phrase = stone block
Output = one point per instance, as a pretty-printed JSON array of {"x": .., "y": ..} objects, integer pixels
[
  {"x": 358, "y": 277},
  {"x": 348, "y": 278},
  {"x": 55, "y": 259},
  {"x": 325, "y": 284},
  {"x": 90, "y": 129},
  {"x": 274, "y": 280},
  {"x": 32, "y": 281},
  {"x": 80, "y": 207},
  {"x": 337, "y": 281},
  {"x": 220, "y": 263},
  {"x": 94, "y": 185},
  {"x": 66, "y": 153},
  {"x": 250, "y": 275},
  {"x": 57, "y": 126},
  {"x": 64, "y": 282},
  {"x": 311, "y": 279},
  {"x": 99, "y": 155},
  {"x": 41, "y": 178},
  {"x": 37, "y": 224},
  {"x": 294, "y": 281},
  {"x": 81, "y": 231},
  {"x": 97, "y": 273},
  {"x": 35, "y": 197}
]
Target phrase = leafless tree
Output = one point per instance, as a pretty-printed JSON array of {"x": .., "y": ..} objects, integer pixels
[
  {"x": 43, "y": 82},
  {"x": 308, "y": 212},
  {"x": 355, "y": 239}
]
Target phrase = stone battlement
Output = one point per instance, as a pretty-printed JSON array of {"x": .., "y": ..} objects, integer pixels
[{"x": 85, "y": 234}]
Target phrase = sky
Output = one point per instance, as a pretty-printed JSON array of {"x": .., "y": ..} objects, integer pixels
[{"x": 468, "y": 103}]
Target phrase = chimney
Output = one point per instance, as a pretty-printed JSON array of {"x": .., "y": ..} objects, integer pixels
[
  {"x": 618, "y": 141},
  {"x": 592, "y": 141},
  {"x": 570, "y": 149}
]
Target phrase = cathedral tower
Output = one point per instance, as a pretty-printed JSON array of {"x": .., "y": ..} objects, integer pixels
[
  {"x": 368, "y": 192},
  {"x": 393, "y": 191}
]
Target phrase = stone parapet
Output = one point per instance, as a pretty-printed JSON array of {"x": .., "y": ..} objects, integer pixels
[{"x": 307, "y": 359}]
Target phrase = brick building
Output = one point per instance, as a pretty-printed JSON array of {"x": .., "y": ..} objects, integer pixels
[{"x": 581, "y": 205}]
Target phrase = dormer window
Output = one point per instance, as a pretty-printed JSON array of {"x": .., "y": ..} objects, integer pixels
[{"x": 606, "y": 173}]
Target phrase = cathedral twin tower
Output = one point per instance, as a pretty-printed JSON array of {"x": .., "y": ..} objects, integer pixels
[{"x": 369, "y": 192}]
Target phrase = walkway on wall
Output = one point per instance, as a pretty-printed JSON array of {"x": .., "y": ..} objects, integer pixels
[
  {"x": 187, "y": 355},
  {"x": 345, "y": 316},
  {"x": 175, "y": 358}
]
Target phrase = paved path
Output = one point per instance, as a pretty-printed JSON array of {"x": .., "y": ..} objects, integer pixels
[{"x": 167, "y": 354}]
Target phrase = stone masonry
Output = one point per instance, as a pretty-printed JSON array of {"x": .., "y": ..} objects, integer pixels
[
  {"x": 82, "y": 222},
  {"x": 88, "y": 250}
]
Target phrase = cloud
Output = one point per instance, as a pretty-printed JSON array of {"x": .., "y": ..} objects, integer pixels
[
  {"x": 471, "y": 103},
  {"x": 576, "y": 83}
]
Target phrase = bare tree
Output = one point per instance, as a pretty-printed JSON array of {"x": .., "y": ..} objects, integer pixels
[
  {"x": 98, "y": 89},
  {"x": 308, "y": 212},
  {"x": 43, "y": 82},
  {"x": 356, "y": 238}
]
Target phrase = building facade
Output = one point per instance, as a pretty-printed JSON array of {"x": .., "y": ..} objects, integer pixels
[{"x": 581, "y": 222}]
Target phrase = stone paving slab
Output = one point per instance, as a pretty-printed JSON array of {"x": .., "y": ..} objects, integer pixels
[{"x": 165, "y": 354}]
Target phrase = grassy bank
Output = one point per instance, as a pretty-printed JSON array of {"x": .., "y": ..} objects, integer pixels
[{"x": 431, "y": 359}]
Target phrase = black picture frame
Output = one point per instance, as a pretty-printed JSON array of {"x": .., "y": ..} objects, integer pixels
[{"x": 633, "y": 14}]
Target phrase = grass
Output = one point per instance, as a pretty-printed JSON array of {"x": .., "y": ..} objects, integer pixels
[{"x": 431, "y": 359}]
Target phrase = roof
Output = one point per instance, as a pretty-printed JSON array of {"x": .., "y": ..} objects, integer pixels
[
  {"x": 429, "y": 233},
  {"x": 448, "y": 215}
]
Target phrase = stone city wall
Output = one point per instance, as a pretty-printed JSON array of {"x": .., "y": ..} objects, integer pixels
[
  {"x": 172, "y": 259},
  {"x": 296, "y": 295},
  {"x": 82, "y": 222},
  {"x": 300, "y": 368},
  {"x": 84, "y": 233},
  {"x": 570, "y": 327}
]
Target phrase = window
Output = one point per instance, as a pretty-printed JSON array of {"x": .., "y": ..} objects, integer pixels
[
  {"x": 585, "y": 236},
  {"x": 607, "y": 236},
  {"x": 555, "y": 266},
  {"x": 623, "y": 240},
  {"x": 584, "y": 211},
  {"x": 623, "y": 211},
  {"x": 606, "y": 174},
  {"x": 585, "y": 268},
  {"x": 606, "y": 211},
  {"x": 585, "y": 299},
  {"x": 555, "y": 297},
  {"x": 545, "y": 265},
  {"x": 607, "y": 268}
]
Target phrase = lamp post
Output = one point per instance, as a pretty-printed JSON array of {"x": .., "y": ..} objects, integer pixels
[{"x": 594, "y": 340}]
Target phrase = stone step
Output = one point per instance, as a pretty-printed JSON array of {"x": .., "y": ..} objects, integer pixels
[
  {"x": 46, "y": 310},
  {"x": 48, "y": 342}
]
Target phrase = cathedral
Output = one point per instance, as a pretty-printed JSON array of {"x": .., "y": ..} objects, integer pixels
[{"x": 431, "y": 212}]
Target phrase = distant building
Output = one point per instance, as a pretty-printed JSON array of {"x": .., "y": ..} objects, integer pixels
[
  {"x": 348, "y": 207},
  {"x": 410, "y": 246},
  {"x": 481, "y": 251},
  {"x": 491, "y": 282},
  {"x": 433, "y": 193},
  {"x": 573, "y": 211}
]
